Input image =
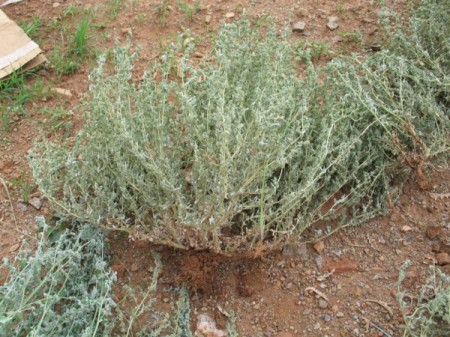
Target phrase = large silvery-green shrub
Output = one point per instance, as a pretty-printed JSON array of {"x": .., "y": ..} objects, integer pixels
[{"x": 235, "y": 153}]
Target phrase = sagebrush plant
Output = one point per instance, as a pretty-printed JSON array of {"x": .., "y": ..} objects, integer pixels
[
  {"x": 236, "y": 153},
  {"x": 406, "y": 87},
  {"x": 426, "y": 314},
  {"x": 230, "y": 155}
]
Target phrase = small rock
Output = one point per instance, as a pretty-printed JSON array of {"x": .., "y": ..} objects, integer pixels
[
  {"x": 127, "y": 31},
  {"x": 22, "y": 206},
  {"x": 319, "y": 247},
  {"x": 36, "y": 202},
  {"x": 206, "y": 327},
  {"x": 339, "y": 314},
  {"x": 326, "y": 318},
  {"x": 118, "y": 269},
  {"x": 56, "y": 4},
  {"x": 434, "y": 232},
  {"x": 208, "y": 19},
  {"x": 134, "y": 267},
  {"x": 63, "y": 92},
  {"x": 299, "y": 26},
  {"x": 166, "y": 300},
  {"x": 323, "y": 304},
  {"x": 14, "y": 248},
  {"x": 317, "y": 326},
  {"x": 367, "y": 20},
  {"x": 442, "y": 259},
  {"x": 375, "y": 47},
  {"x": 341, "y": 266},
  {"x": 332, "y": 23},
  {"x": 229, "y": 15},
  {"x": 406, "y": 229},
  {"x": 295, "y": 250}
]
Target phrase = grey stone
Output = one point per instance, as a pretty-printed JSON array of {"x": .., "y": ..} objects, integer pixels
[
  {"x": 333, "y": 23},
  {"x": 36, "y": 202},
  {"x": 295, "y": 250},
  {"x": 299, "y": 26},
  {"x": 323, "y": 304}
]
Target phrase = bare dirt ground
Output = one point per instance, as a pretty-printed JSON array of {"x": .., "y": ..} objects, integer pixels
[{"x": 345, "y": 285}]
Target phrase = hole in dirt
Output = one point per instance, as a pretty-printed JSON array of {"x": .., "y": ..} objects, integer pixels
[
  {"x": 210, "y": 274},
  {"x": 204, "y": 273}
]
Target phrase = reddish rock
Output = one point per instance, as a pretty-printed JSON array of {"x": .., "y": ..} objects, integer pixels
[
  {"x": 319, "y": 247},
  {"x": 344, "y": 265},
  {"x": 119, "y": 269},
  {"x": 434, "y": 232},
  {"x": 442, "y": 259}
]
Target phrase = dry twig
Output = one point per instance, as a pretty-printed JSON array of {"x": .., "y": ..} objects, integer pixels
[
  {"x": 321, "y": 294},
  {"x": 325, "y": 276},
  {"x": 369, "y": 323},
  {"x": 382, "y": 304}
]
